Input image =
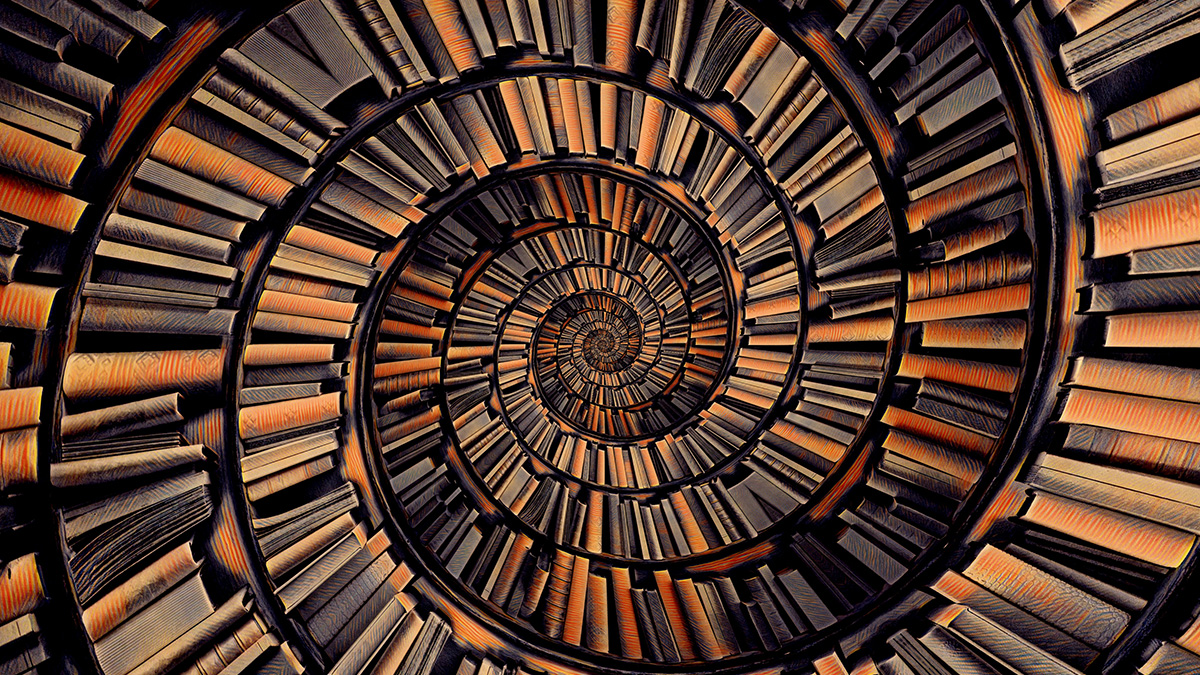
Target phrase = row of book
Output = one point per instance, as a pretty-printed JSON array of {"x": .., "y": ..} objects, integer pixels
[{"x": 50, "y": 99}]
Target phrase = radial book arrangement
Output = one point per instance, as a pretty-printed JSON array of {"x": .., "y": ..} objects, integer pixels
[{"x": 829, "y": 337}]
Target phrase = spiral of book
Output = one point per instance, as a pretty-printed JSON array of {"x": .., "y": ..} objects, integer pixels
[{"x": 498, "y": 337}]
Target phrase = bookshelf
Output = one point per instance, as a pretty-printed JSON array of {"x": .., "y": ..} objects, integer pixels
[{"x": 460, "y": 336}]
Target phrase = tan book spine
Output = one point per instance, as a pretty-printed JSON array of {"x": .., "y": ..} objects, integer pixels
[{"x": 987, "y": 376}]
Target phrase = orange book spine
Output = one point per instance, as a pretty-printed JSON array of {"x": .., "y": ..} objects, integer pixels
[
  {"x": 20, "y": 407},
  {"x": 365, "y": 209},
  {"x": 314, "y": 240},
  {"x": 1136, "y": 414},
  {"x": 1164, "y": 220},
  {"x": 411, "y": 330},
  {"x": 784, "y": 305},
  {"x": 24, "y": 305},
  {"x": 1153, "y": 329},
  {"x": 820, "y": 445},
  {"x": 37, "y": 203},
  {"x": 974, "y": 334},
  {"x": 868, "y": 329},
  {"x": 576, "y": 602},
  {"x": 283, "y": 354},
  {"x": 618, "y": 38},
  {"x": 987, "y": 376},
  {"x": 937, "y": 430},
  {"x": 511, "y": 96},
  {"x": 119, "y": 374},
  {"x": 627, "y": 628},
  {"x": 974, "y": 188},
  {"x": 652, "y": 120},
  {"x": 968, "y": 469},
  {"x": 393, "y": 368},
  {"x": 974, "y": 303},
  {"x": 407, "y": 382},
  {"x": 1141, "y": 539},
  {"x": 38, "y": 158},
  {"x": 138, "y": 591},
  {"x": 570, "y": 104},
  {"x": 447, "y": 19},
  {"x": 177, "y": 148},
  {"x": 512, "y": 566},
  {"x": 21, "y": 589},
  {"x": 759, "y": 50},
  {"x": 18, "y": 458},
  {"x": 674, "y": 610},
  {"x": 557, "y": 589},
  {"x": 301, "y": 305},
  {"x": 1147, "y": 379},
  {"x": 270, "y": 418}
]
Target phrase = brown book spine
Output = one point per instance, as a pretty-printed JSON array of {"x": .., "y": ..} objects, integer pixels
[
  {"x": 120, "y": 467},
  {"x": 675, "y": 614},
  {"x": 291, "y": 557}
]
